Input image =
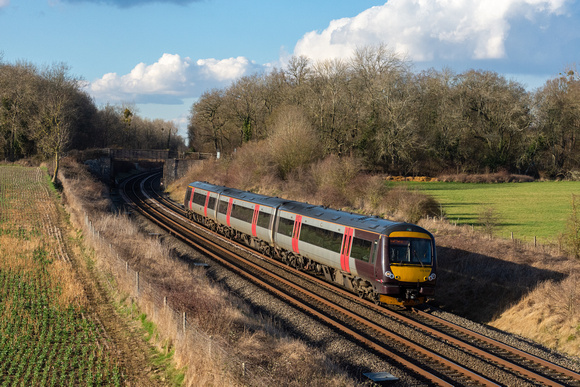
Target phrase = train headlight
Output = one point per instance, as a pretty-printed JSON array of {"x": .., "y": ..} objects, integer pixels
[
  {"x": 432, "y": 277},
  {"x": 390, "y": 275}
]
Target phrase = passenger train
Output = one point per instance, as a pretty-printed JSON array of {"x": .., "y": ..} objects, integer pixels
[{"x": 387, "y": 262}]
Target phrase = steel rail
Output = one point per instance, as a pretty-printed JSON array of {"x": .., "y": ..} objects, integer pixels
[
  {"x": 499, "y": 344},
  {"x": 185, "y": 233},
  {"x": 441, "y": 335}
]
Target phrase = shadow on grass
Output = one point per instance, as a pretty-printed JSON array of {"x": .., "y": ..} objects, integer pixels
[{"x": 481, "y": 287}]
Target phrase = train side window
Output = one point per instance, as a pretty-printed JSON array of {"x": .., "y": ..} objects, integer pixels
[
  {"x": 211, "y": 203},
  {"x": 242, "y": 213},
  {"x": 361, "y": 249},
  {"x": 264, "y": 219},
  {"x": 286, "y": 227},
  {"x": 326, "y": 239},
  {"x": 223, "y": 207},
  {"x": 199, "y": 198}
]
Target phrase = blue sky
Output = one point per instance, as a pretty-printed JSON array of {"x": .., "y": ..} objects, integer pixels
[{"x": 161, "y": 55}]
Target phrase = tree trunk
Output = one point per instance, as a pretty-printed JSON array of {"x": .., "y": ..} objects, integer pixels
[{"x": 56, "y": 165}]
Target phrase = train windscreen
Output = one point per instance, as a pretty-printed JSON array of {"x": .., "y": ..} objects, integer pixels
[{"x": 410, "y": 251}]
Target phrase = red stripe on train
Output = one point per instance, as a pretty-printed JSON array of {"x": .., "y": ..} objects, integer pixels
[
  {"x": 296, "y": 233},
  {"x": 191, "y": 198},
  {"x": 229, "y": 211},
  {"x": 345, "y": 249},
  {"x": 255, "y": 220}
]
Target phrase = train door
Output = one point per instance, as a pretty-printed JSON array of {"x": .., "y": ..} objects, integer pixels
[{"x": 379, "y": 257}]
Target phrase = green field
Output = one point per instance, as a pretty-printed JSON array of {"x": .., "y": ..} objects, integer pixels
[
  {"x": 538, "y": 209},
  {"x": 47, "y": 335}
]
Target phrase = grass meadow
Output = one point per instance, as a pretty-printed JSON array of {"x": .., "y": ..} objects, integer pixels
[{"x": 531, "y": 209}]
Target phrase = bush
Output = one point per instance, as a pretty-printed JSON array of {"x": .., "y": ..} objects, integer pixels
[
  {"x": 489, "y": 220},
  {"x": 572, "y": 234},
  {"x": 498, "y": 177},
  {"x": 333, "y": 182},
  {"x": 410, "y": 206},
  {"x": 293, "y": 143}
]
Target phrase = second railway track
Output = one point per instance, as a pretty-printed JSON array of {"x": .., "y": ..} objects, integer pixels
[{"x": 439, "y": 352}]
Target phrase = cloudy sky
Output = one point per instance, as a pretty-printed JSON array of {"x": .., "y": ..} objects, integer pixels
[{"x": 162, "y": 54}]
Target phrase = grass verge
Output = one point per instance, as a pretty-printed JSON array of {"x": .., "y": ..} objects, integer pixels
[{"x": 533, "y": 209}]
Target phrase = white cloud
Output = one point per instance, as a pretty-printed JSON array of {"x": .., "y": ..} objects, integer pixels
[
  {"x": 427, "y": 29},
  {"x": 169, "y": 80},
  {"x": 225, "y": 69},
  {"x": 4, "y": 3}
]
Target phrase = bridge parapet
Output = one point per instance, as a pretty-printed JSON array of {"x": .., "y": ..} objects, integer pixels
[
  {"x": 153, "y": 155},
  {"x": 106, "y": 162}
]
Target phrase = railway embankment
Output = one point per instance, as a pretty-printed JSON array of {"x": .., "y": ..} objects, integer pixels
[
  {"x": 533, "y": 291},
  {"x": 164, "y": 284}
]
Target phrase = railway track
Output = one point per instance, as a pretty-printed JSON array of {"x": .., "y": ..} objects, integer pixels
[{"x": 439, "y": 352}]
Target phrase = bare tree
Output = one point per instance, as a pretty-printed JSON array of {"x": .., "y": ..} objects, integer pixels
[
  {"x": 17, "y": 106},
  {"x": 328, "y": 103},
  {"x": 496, "y": 116},
  {"x": 56, "y": 112},
  {"x": 558, "y": 122},
  {"x": 207, "y": 121}
]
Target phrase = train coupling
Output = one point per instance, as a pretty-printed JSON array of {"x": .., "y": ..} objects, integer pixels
[{"x": 412, "y": 294}]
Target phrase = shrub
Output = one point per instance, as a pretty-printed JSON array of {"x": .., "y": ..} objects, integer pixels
[
  {"x": 489, "y": 220},
  {"x": 498, "y": 177},
  {"x": 293, "y": 143},
  {"x": 572, "y": 234},
  {"x": 410, "y": 206},
  {"x": 333, "y": 177}
]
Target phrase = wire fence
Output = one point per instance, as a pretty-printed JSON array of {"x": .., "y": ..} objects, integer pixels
[{"x": 163, "y": 311}]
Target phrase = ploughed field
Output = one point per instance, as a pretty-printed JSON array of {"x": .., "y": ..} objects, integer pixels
[
  {"x": 46, "y": 335},
  {"x": 531, "y": 209}
]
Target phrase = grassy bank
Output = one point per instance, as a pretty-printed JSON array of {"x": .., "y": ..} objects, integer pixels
[{"x": 538, "y": 209}]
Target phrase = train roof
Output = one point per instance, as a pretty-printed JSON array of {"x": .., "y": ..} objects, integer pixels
[
  {"x": 239, "y": 194},
  {"x": 362, "y": 222},
  {"x": 367, "y": 223}
]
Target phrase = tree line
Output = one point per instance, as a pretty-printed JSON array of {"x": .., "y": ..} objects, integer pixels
[
  {"x": 44, "y": 112},
  {"x": 374, "y": 107}
]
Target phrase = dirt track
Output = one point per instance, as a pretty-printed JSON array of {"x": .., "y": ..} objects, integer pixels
[{"x": 120, "y": 333}]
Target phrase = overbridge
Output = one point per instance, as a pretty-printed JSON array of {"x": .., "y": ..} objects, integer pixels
[
  {"x": 109, "y": 163},
  {"x": 136, "y": 155}
]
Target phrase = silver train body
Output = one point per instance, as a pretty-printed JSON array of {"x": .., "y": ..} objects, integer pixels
[{"x": 385, "y": 261}]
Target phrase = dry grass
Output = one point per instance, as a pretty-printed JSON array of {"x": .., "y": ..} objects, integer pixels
[
  {"x": 549, "y": 314},
  {"x": 533, "y": 292},
  {"x": 521, "y": 289},
  {"x": 334, "y": 182},
  {"x": 215, "y": 312}
]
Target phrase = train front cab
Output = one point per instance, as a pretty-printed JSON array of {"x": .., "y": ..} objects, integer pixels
[{"x": 409, "y": 265}]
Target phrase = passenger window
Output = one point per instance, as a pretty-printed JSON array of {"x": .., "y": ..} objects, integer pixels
[
  {"x": 263, "y": 219},
  {"x": 223, "y": 207},
  {"x": 361, "y": 249},
  {"x": 211, "y": 203},
  {"x": 286, "y": 227}
]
